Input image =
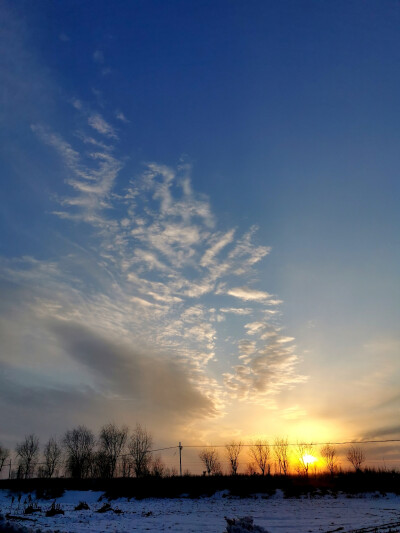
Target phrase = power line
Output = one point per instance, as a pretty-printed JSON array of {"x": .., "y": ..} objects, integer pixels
[{"x": 297, "y": 443}]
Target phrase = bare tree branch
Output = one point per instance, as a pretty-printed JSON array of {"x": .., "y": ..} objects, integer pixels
[
  {"x": 233, "y": 451},
  {"x": 52, "y": 456},
  {"x": 79, "y": 445},
  {"x": 111, "y": 442},
  {"x": 210, "y": 459},
  {"x": 356, "y": 457},
  {"x": 329, "y": 455},
  {"x": 27, "y": 451},
  {"x": 260, "y": 453},
  {"x": 281, "y": 447},
  {"x": 139, "y": 446}
]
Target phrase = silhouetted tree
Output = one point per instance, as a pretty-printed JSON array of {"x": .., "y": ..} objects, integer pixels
[
  {"x": 260, "y": 453},
  {"x": 329, "y": 455},
  {"x": 100, "y": 465},
  {"x": 126, "y": 466},
  {"x": 252, "y": 469},
  {"x": 281, "y": 448},
  {"x": 356, "y": 457},
  {"x": 27, "y": 452},
  {"x": 79, "y": 445},
  {"x": 52, "y": 456},
  {"x": 158, "y": 467},
  {"x": 209, "y": 457},
  {"x": 303, "y": 454},
  {"x": 233, "y": 451},
  {"x": 112, "y": 440},
  {"x": 139, "y": 446},
  {"x": 4, "y": 455}
]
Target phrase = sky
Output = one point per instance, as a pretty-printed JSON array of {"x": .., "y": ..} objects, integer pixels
[{"x": 199, "y": 219}]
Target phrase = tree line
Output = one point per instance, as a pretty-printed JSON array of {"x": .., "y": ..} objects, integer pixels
[
  {"x": 280, "y": 457},
  {"x": 117, "y": 452},
  {"x": 81, "y": 454}
]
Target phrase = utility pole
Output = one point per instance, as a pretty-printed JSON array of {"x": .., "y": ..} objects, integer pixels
[
  {"x": 9, "y": 471},
  {"x": 180, "y": 458}
]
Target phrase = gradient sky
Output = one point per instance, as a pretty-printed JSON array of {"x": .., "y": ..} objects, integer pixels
[{"x": 200, "y": 218}]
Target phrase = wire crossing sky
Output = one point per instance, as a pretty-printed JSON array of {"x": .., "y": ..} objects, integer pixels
[{"x": 199, "y": 219}]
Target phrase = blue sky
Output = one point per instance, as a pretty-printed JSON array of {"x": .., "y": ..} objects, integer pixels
[{"x": 199, "y": 217}]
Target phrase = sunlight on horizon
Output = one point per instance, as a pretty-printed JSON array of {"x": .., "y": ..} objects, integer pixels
[{"x": 309, "y": 459}]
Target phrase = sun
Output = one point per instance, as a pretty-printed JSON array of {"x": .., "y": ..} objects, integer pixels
[{"x": 308, "y": 459}]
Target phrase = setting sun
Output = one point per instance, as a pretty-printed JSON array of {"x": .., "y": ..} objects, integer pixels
[{"x": 308, "y": 459}]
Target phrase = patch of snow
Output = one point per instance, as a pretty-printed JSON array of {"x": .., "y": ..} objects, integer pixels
[{"x": 274, "y": 514}]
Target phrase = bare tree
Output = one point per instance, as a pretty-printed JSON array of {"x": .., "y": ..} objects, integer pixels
[
  {"x": 260, "y": 453},
  {"x": 27, "y": 452},
  {"x": 79, "y": 445},
  {"x": 329, "y": 455},
  {"x": 251, "y": 469},
  {"x": 304, "y": 458},
  {"x": 52, "y": 456},
  {"x": 209, "y": 457},
  {"x": 233, "y": 451},
  {"x": 158, "y": 467},
  {"x": 100, "y": 465},
  {"x": 173, "y": 471},
  {"x": 112, "y": 440},
  {"x": 4, "y": 455},
  {"x": 126, "y": 466},
  {"x": 139, "y": 446},
  {"x": 281, "y": 448},
  {"x": 356, "y": 457}
]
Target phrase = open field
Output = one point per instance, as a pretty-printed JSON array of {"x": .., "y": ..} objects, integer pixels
[{"x": 277, "y": 514}]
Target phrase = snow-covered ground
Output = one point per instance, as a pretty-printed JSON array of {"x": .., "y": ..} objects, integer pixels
[{"x": 206, "y": 515}]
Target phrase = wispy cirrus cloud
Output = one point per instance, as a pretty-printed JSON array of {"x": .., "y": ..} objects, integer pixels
[
  {"x": 93, "y": 178},
  {"x": 98, "y": 123},
  {"x": 119, "y": 115}
]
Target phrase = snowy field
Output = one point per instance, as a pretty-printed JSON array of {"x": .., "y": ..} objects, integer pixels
[{"x": 276, "y": 514}]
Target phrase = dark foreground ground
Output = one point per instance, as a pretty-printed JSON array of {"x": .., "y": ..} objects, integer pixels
[{"x": 197, "y": 486}]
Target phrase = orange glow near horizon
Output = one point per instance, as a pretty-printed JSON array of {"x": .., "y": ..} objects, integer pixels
[{"x": 309, "y": 459}]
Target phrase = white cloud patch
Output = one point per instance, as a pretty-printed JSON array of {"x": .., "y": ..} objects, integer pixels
[
  {"x": 98, "y": 123},
  {"x": 92, "y": 179},
  {"x": 218, "y": 244},
  {"x": 236, "y": 310},
  {"x": 120, "y": 116},
  {"x": 247, "y": 294},
  {"x": 254, "y": 327}
]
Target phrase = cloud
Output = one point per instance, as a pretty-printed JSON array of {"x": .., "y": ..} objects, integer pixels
[
  {"x": 120, "y": 116},
  {"x": 98, "y": 57},
  {"x": 97, "y": 122},
  {"x": 293, "y": 413},
  {"x": 70, "y": 156},
  {"x": 246, "y": 348},
  {"x": 387, "y": 432},
  {"x": 218, "y": 244},
  {"x": 247, "y": 294},
  {"x": 268, "y": 365},
  {"x": 254, "y": 327},
  {"x": 93, "y": 179},
  {"x": 130, "y": 373},
  {"x": 236, "y": 310}
]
